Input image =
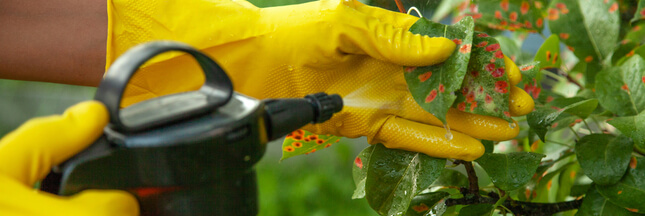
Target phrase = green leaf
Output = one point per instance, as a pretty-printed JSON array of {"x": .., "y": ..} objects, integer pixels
[
  {"x": 640, "y": 13},
  {"x": 476, "y": 210},
  {"x": 489, "y": 146},
  {"x": 423, "y": 203},
  {"x": 633, "y": 127},
  {"x": 451, "y": 178},
  {"x": 549, "y": 53},
  {"x": 603, "y": 157},
  {"x": 590, "y": 28},
  {"x": 510, "y": 171},
  {"x": 511, "y": 15},
  {"x": 433, "y": 87},
  {"x": 629, "y": 192},
  {"x": 359, "y": 171},
  {"x": 621, "y": 90},
  {"x": 302, "y": 142},
  {"x": 395, "y": 176},
  {"x": 595, "y": 204},
  {"x": 543, "y": 118},
  {"x": 485, "y": 88}
]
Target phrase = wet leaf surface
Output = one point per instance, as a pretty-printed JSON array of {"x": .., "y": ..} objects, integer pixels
[
  {"x": 603, "y": 157},
  {"x": 620, "y": 89},
  {"x": 510, "y": 171},
  {"x": 630, "y": 190},
  {"x": 433, "y": 87},
  {"x": 395, "y": 176}
]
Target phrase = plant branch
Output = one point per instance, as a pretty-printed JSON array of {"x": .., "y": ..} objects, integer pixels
[
  {"x": 570, "y": 79},
  {"x": 472, "y": 196},
  {"x": 519, "y": 207},
  {"x": 472, "y": 176}
]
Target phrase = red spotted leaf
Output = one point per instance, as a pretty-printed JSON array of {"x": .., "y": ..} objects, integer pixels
[
  {"x": 513, "y": 15},
  {"x": 485, "y": 88},
  {"x": 549, "y": 53},
  {"x": 433, "y": 87},
  {"x": 589, "y": 28},
  {"x": 639, "y": 15},
  {"x": 304, "y": 142}
]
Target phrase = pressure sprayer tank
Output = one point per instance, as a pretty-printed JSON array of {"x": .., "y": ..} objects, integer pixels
[{"x": 189, "y": 153}]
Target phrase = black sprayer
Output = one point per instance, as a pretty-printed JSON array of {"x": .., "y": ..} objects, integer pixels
[{"x": 188, "y": 153}]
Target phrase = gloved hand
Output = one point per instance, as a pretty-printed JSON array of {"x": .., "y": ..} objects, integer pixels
[
  {"x": 28, "y": 154},
  {"x": 335, "y": 46}
]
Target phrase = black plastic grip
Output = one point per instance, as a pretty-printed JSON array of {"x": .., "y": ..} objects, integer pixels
[{"x": 216, "y": 91}]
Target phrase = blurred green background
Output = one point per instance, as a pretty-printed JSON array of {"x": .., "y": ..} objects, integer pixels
[{"x": 318, "y": 184}]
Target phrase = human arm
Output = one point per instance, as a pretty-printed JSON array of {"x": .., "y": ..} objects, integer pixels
[{"x": 53, "y": 41}]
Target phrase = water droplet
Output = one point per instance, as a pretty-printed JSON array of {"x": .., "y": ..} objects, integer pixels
[
  {"x": 512, "y": 125},
  {"x": 448, "y": 135},
  {"x": 338, "y": 124},
  {"x": 290, "y": 68}
]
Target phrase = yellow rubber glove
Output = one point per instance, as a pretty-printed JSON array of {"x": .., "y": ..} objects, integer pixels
[
  {"x": 341, "y": 47},
  {"x": 28, "y": 154}
]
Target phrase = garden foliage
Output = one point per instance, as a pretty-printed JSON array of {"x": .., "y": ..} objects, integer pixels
[{"x": 580, "y": 152}]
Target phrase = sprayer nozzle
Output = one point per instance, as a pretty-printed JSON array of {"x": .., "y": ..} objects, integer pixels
[{"x": 325, "y": 105}]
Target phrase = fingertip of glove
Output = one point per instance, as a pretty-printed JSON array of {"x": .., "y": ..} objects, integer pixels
[
  {"x": 521, "y": 103},
  {"x": 435, "y": 50}
]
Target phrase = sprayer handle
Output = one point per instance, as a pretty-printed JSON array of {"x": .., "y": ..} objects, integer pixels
[{"x": 216, "y": 91}]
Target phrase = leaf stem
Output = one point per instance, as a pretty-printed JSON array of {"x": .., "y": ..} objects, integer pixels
[
  {"x": 574, "y": 133},
  {"x": 399, "y": 5},
  {"x": 499, "y": 202},
  {"x": 585, "y": 121}
]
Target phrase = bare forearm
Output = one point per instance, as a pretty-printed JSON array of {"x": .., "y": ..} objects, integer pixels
[{"x": 53, "y": 41}]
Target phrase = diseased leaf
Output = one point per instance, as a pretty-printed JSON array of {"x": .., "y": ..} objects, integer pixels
[
  {"x": 640, "y": 50},
  {"x": 423, "y": 203},
  {"x": 511, "y": 15},
  {"x": 549, "y": 53},
  {"x": 589, "y": 28},
  {"x": 629, "y": 192},
  {"x": 633, "y": 127},
  {"x": 485, "y": 88},
  {"x": 636, "y": 34},
  {"x": 595, "y": 204},
  {"x": 543, "y": 118},
  {"x": 359, "y": 171},
  {"x": 623, "y": 52},
  {"x": 603, "y": 157},
  {"x": 566, "y": 180},
  {"x": 510, "y": 171},
  {"x": 639, "y": 16},
  {"x": 544, "y": 191},
  {"x": 302, "y": 142},
  {"x": 433, "y": 87},
  {"x": 476, "y": 210},
  {"x": 621, "y": 90},
  {"x": 531, "y": 78},
  {"x": 395, "y": 176}
]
